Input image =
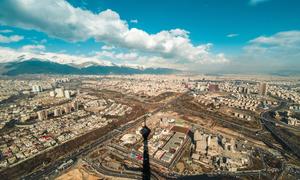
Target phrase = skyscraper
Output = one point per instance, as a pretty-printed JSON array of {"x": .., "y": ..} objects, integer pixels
[{"x": 263, "y": 89}]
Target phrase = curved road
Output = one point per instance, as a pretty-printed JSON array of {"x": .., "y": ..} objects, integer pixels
[{"x": 270, "y": 125}]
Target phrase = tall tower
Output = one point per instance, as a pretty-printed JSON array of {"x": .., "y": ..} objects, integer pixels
[
  {"x": 145, "y": 131},
  {"x": 263, "y": 89}
]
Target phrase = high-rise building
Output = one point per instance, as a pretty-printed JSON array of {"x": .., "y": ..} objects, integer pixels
[
  {"x": 208, "y": 140},
  {"x": 67, "y": 94},
  {"x": 67, "y": 109},
  {"x": 247, "y": 91},
  {"x": 263, "y": 89},
  {"x": 59, "y": 92},
  {"x": 57, "y": 112},
  {"x": 213, "y": 88},
  {"x": 46, "y": 114},
  {"x": 203, "y": 88},
  {"x": 75, "y": 105},
  {"x": 232, "y": 142},
  {"x": 36, "y": 88},
  {"x": 42, "y": 115}
]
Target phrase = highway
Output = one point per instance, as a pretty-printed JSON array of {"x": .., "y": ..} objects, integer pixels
[
  {"x": 267, "y": 117},
  {"x": 219, "y": 118},
  {"x": 270, "y": 125},
  {"x": 107, "y": 171},
  {"x": 43, "y": 172},
  {"x": 129, "y": 174},
  {"x": 251, "y": 131},
  {"x": 229, "y": 174},
  {"x": 126, "y": 174}
]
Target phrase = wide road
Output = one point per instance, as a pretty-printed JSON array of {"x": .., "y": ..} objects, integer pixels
[
  {"x": 220, "y": 119},
  {"x": 267, "y": 117},
  {"x": 270, "y": 125}
]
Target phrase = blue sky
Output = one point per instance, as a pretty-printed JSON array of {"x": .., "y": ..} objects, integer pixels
[
  {"x": 206, "y": 20},
  {"x": 197, "y": 35}
]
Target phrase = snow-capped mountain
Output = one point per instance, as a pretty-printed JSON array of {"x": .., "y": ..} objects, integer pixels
[{"x": 22, "y": 65}]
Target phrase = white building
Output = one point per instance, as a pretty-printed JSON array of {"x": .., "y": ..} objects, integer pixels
[
  {"x": 59, "y": 92},
  {"x": 52, "y": 93},
  {"x": 67, "y": 94},
  {"x": 36, "y": 88}
]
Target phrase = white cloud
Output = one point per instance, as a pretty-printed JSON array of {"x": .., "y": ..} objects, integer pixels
[
  {"x": 286, "y": 42},
  {"x": 33, "y": 48},
  {"x": 61, "y": 20},
  {"x": 9, "y": 39},
  {"x": 134, "y": 21},
  {"x": 232, "y": 35},
  {"x": 134, "y": 59},
  {"x": 6, "y": 31},
  {"x": 106, "y": 47},
  {"x": 179, "y": 33},
  {"x": 173, "y": 44},
  {"x": 255, "y": 2},
  {"x": 277, "y": 52},
  {"x": 129, "y": 56}
]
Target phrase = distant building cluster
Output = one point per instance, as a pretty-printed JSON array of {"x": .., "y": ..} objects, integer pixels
[
  {"x": 61, "y": 93},
  {"x": 107, "y": 107},
  {"x": 244, "y": 102},
  {"x": 286, "y": 93},
  {"x": 9, "y": 88},
  {"x": 142, "y": 85},
  {"x": 58, "y": 110}
]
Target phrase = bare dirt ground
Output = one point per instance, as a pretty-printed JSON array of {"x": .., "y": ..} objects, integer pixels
[
  {"x": 77, "y": 174},
  {"x": 80, "y": 172}
]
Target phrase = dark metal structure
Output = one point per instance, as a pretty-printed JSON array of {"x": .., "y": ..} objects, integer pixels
[{"x": 145, "y": 131}]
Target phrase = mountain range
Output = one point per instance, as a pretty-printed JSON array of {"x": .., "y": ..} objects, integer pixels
[{"x": 38, "y": 66}]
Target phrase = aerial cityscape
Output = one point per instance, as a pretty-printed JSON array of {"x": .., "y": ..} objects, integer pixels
[{"x": 89, "y": 91}]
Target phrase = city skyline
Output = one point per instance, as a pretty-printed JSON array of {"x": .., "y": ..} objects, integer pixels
[{"x": 244, "y": 36}]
